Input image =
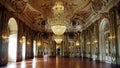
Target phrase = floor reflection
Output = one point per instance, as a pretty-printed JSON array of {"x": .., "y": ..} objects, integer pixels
[
  {"x": 11, "y": 65},
  {"x": 57, "y": 62},
  {"x": 34, "y": 63},
  {"x": 23, "y": 64}
]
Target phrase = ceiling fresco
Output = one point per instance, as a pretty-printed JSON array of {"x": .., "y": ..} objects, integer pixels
[{"x": 36, "y": 12}]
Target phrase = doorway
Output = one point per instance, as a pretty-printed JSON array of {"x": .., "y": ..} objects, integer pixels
[{"x": 103, "y": 41}]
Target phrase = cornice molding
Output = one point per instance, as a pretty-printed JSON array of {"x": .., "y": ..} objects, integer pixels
[{"x": 95, "y": 16}]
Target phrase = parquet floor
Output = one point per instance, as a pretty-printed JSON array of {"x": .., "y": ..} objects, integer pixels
[{"x": 57, "y": 63}]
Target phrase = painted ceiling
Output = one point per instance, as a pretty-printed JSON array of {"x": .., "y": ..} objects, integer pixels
[{"x": 36, "y": 12}]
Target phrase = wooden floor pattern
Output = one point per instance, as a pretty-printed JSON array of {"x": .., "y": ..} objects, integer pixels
[{"x": 58, "y": 63}]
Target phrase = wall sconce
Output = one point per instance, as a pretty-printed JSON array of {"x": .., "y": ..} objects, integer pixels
[
  {"x": 69, "y": 47},
  {"x": 21, "y": 41},
  {"x": 88, "y": 43},
  {"x": 23, "y": 37},
  {"x": 4, "y": 37},
  {"x": 95, "y": 41},
  {"x": 111, "y": 37},
  {"x": 28, "y": 42},
  {"x": 77, "y": 43},
  {"x": 39, "y": 44}
]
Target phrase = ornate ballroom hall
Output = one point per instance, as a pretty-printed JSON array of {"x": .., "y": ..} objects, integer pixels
[{"x": 59, "y": 33}]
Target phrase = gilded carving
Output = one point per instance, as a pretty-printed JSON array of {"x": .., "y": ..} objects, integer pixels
[
  {"x": 19, "y": 5},
  {"x": 97, "y": 4}
]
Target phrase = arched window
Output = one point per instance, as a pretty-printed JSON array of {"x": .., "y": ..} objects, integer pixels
[{"x": 12, "y": 45}]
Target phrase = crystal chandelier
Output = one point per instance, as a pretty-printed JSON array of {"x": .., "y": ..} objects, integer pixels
[
  {"x": 58, "y": 8},
  {"x": 58, "y": 21},
  {"x": 58, "y": 39}
]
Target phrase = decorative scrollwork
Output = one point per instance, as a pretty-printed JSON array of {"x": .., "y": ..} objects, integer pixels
[
  {"x": 19, "y": 5},
  {"x": 97, "y": 5}
]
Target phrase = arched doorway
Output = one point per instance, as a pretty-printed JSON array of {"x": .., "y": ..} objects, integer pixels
[
  {"x": 12, "y": 45},
  {"x": 104, "y": 30},
  {"x": 45, "y": 52},
  {"x": 58, "y": 50}
]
